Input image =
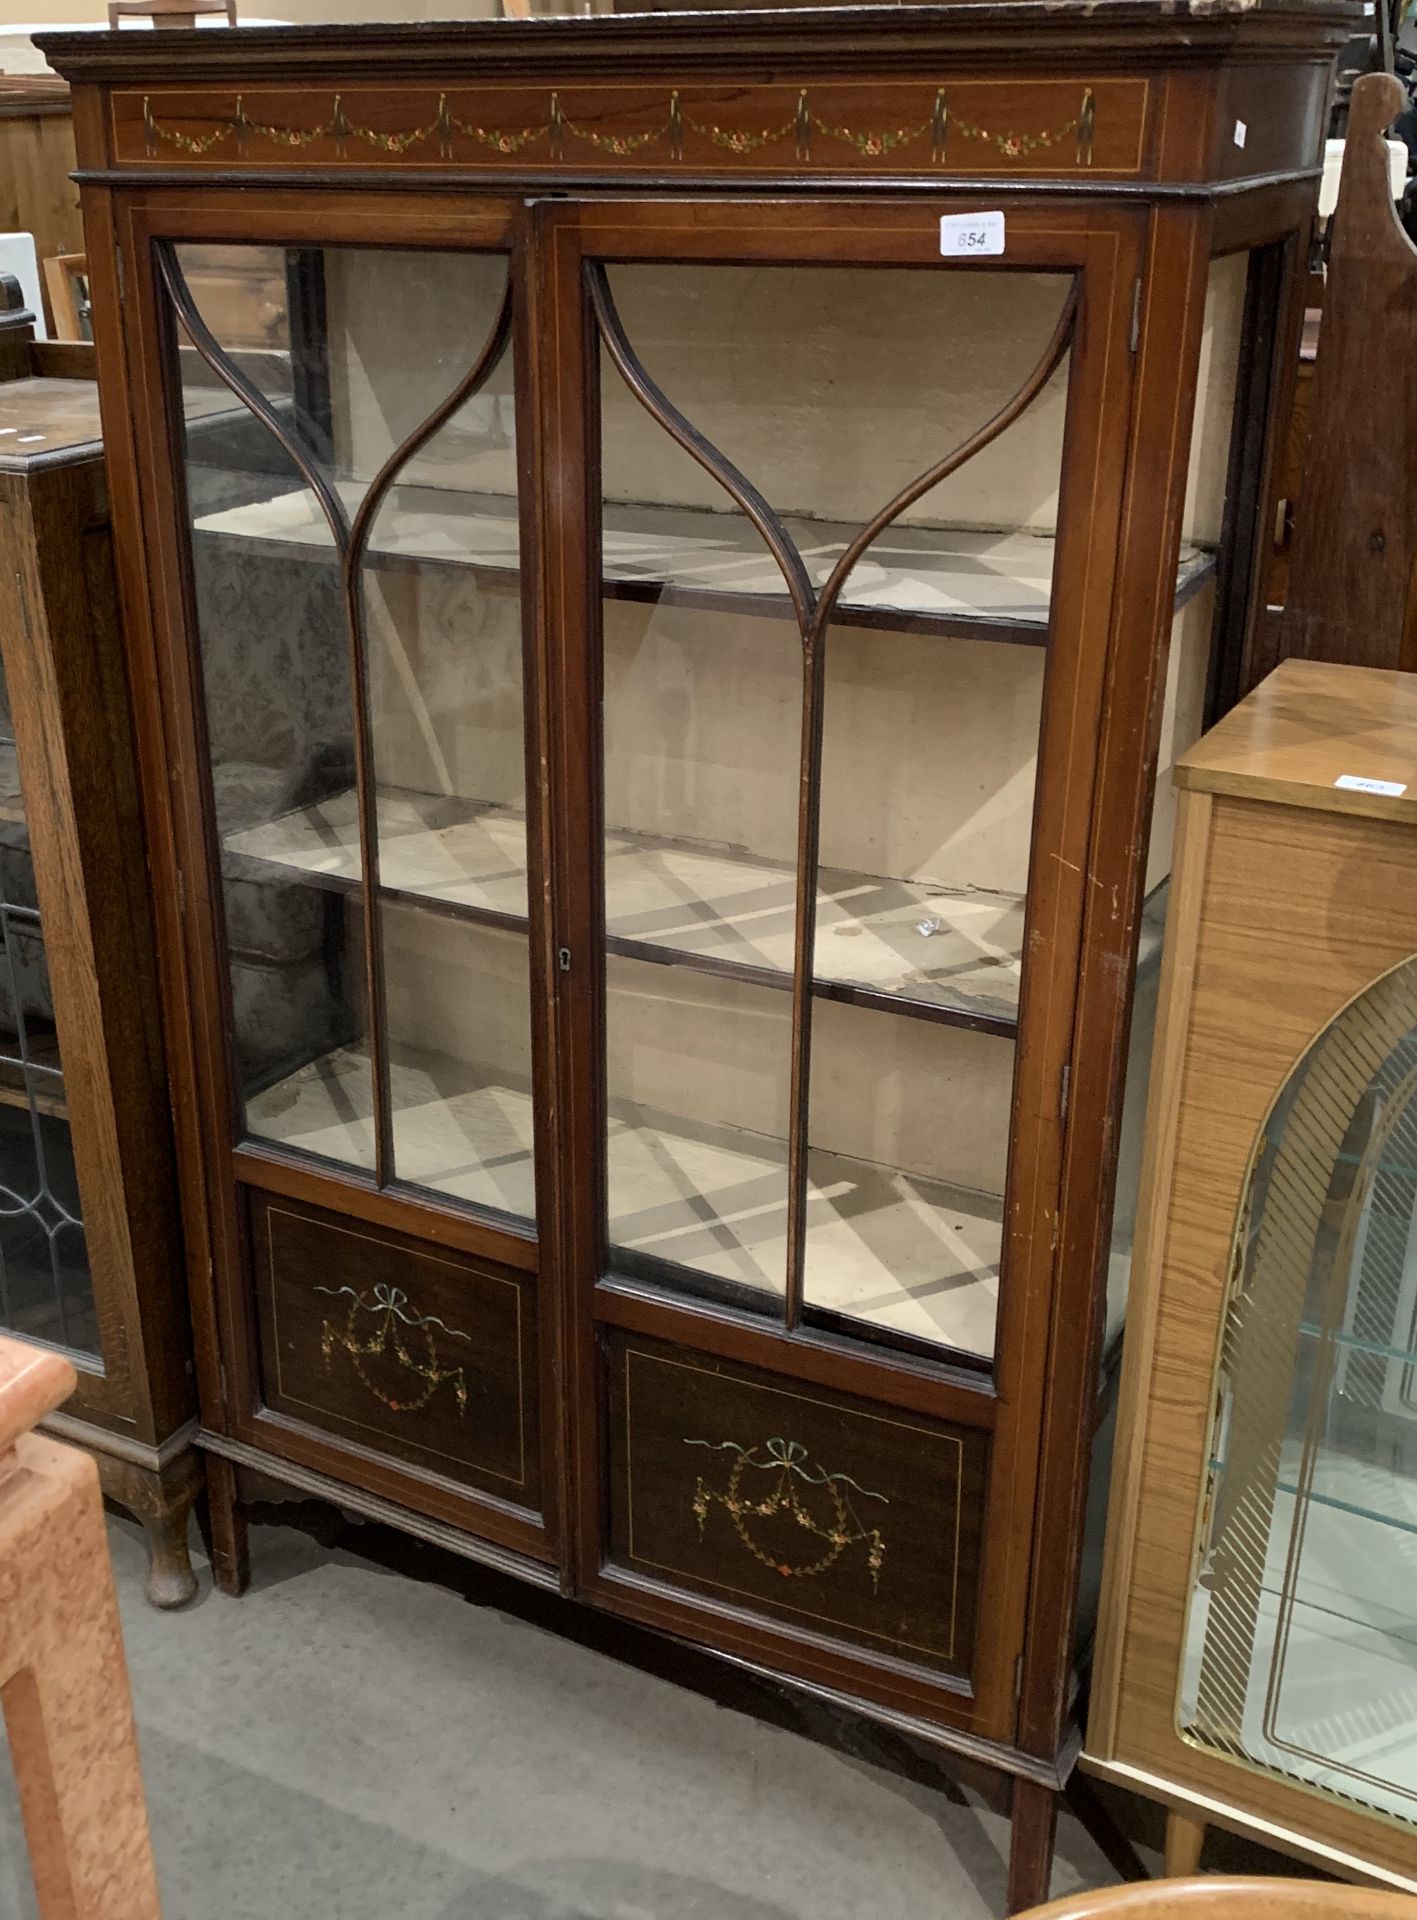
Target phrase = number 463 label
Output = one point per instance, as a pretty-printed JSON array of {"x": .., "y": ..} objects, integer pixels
[{"x": 966, "y": 234}]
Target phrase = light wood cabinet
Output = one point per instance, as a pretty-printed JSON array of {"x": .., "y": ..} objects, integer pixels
[{"x": 1255, "y": 1660}]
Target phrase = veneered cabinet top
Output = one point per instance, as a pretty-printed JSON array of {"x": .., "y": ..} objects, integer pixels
[
  {"x": 51, "y": 419},
  {"x": 1025, "y": 93},
  {"x": 1314, "y": 734}
]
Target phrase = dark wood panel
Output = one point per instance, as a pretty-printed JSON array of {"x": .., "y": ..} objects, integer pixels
[
  {"x": 418, "y": 1213},
  {"x": 931, "y": 1386},
  {"x": 429, "y": 1357},
  {"x": 279, "y": 1466},
  {"x": 1268, "y": 121},
  {"x": 884, "y": 40},
  {"x": 847, "y": 1518}
]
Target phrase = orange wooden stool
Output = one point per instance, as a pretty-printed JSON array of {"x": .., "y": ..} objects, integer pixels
[
  {"x": 63, "y": 1679},
  {"x": 1213, "y": 1897}
]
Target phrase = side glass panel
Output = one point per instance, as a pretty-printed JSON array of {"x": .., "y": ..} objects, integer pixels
[
  {"x": 1183, "y": 719},
  {"x": 1299, "y": 1654},
  {"x": 829, "y": 506},
  {"x": 352, "y": 483},
  {"x": 46, "y": 1289}
]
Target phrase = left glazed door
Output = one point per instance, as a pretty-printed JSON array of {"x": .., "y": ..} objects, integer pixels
[{"x": 343, "y": 458}]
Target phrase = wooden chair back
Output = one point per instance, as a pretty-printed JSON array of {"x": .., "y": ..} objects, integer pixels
[{"x": 1351, "y": 574}]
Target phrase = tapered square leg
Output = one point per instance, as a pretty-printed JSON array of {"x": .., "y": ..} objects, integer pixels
[
  {"x": 1032, "y": 1827},
  {"x": 228, "y": 1539}
]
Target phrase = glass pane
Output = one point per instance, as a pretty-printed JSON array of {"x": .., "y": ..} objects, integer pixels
[
  {"x": 46, "y": 1289},
  {"x": 1203, "y": 522},
  {"x": 1183, "y": 719},
  {"x": 442, "y": 613},
  {"x": 460, "y": 1058},
  {"x": 281, "y": 747},
  {"x": 697, "y": 1128},
  {"x": 400, "y": 515},
  {"x": 909, "y": 1148},
  {"x": 1299, "y": 1652}
]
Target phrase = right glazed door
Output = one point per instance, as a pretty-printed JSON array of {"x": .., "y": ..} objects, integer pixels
[
  {"x": 851, "y": 514},
  {"x": 824, "y": 633}
]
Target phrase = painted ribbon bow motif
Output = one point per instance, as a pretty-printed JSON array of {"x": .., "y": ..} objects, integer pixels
[
  {"x": 789, "y": 1462},
  {"x": 386, "y": 1311}
]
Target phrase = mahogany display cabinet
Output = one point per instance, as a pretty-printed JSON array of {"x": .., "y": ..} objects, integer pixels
[
  {"x": 90, "y": 1256},
  {"x": 650, "y": 720}
]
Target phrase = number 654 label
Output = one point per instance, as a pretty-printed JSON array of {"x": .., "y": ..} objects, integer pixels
[{"x": 966, "y": 234}]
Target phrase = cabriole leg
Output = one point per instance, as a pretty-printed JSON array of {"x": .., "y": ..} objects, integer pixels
[{"x": 160, "y": 1499}]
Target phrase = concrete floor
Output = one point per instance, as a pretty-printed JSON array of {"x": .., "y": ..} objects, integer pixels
[{"x": 351, "y": 1741}]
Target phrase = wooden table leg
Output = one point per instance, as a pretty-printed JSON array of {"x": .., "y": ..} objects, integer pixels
[
  {"x": 1185, "y": 1836},
  {"x": 63, "y": 1679}
]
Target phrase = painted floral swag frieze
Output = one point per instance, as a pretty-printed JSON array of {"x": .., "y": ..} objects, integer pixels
[{"x": 560, "y": 134}]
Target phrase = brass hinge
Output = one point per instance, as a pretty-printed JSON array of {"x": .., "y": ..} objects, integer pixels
[
  {"x": 1018, "y": 1679},
  {"x": 1063, "y": 1078},
  {"x": 1136, "y": 314}
]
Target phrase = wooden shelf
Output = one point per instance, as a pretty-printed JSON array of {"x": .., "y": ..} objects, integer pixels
[
  {"x": 46, "y": 1087},
  {"x": 1345, "y": 1642},
  {"x": 962, "y": 581},
  {"x": 883, "y": 1246},
  {"x": 904, "y": 945}
]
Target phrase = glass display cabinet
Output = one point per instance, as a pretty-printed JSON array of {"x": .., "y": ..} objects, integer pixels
[
  {"x": 1257, "y": 1660},
  {"x": 651, "y": 705},
  {"x": 90, "y": 1260}
]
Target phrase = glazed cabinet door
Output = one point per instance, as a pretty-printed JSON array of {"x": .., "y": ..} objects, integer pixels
[
  {"x": 851, "y": 517},
  {"x": 350, "y": 652},
  {"x": 89, "y": 1255},
  {"x": 47, "y": 1278}
]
